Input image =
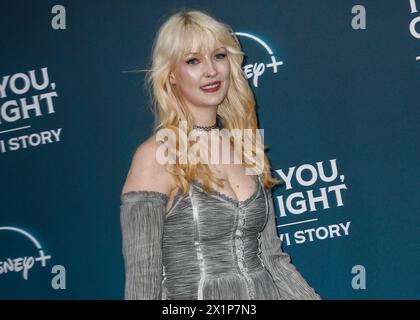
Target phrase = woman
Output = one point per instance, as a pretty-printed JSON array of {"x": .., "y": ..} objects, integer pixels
[{"x": 198, "y": 230}]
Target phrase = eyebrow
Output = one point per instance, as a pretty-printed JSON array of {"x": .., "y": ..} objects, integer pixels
[{"x": 187, "y": 54}]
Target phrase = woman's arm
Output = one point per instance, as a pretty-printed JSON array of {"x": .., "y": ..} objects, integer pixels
[
  {"x": 142, "y": 217},
  {"x": 290, "y": 283},
  {"x": 142, "y": 214}
]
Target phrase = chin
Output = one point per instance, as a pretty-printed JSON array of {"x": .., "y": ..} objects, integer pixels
[{"x": 213, "y": 103}]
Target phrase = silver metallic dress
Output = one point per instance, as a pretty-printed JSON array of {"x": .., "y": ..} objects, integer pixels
[{"x": 208, "y": 247}]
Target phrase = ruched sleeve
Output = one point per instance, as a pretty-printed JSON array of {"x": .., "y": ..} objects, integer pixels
[
  {"x": 289, "y": 282},
  {"x": 142, "y": 216}
]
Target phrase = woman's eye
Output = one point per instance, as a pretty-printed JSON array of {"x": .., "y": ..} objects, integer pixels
[
  {"x": 221, "y": 55},
  {"x": 192, "y": 61}
]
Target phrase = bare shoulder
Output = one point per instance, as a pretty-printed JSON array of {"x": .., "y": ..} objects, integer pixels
[{"x": 146, "y": 173}]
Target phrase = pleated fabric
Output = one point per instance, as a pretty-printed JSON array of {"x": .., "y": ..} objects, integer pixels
[{"x": 206, "y": 247}]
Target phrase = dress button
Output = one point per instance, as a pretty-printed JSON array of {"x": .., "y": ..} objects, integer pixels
[{"x": 238, "y": 233}]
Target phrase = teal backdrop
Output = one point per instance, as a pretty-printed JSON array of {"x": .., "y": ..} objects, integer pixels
[{"x": 337, "y": 86}]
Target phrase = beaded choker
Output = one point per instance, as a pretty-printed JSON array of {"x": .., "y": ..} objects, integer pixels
[{"x": 208, "y": 128}]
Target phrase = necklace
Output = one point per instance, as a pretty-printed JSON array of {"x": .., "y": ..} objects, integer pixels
[{"x": 208, "y": 128}]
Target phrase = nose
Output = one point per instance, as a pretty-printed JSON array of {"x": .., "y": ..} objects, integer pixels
[{"x": 211, "y": 70}]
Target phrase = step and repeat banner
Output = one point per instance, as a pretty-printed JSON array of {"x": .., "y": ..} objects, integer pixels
[{"x": 337, "y": 86}]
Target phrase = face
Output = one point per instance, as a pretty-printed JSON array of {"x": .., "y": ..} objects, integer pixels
[{"x": 202, "y": 78}]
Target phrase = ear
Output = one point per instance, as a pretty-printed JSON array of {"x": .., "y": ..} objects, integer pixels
[{"x": 172, "y": 78}]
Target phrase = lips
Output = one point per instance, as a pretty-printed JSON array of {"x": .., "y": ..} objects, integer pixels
[{"x": 212, "y": 86}]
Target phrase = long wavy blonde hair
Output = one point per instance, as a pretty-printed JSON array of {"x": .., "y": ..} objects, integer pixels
[{"x": 237, "y": 110}]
